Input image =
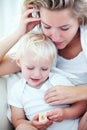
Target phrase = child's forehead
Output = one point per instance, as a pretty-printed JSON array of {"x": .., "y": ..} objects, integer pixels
[
  {"x": 37, "y": 62},
  {"x": 37, "y": 58},
  {"x": 32, "y": 57}
]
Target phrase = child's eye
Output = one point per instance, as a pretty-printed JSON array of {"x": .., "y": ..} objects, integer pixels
[
  {"x": 44, "y": 69},
  {"x": 30, "y": 68}
]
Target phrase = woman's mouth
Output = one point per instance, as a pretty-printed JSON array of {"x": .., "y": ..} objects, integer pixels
[{"x": 58, "y": 43}]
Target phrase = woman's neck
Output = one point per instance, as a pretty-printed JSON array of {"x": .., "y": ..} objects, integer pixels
[{"x": 73, "y": 49}]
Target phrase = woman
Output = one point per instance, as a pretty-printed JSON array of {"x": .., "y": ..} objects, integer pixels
[{"x": 64, "y": 22}]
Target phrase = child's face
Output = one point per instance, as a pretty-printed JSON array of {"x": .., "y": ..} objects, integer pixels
[{"x": 35, "y": 71}]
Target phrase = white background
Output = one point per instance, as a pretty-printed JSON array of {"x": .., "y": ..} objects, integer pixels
[{"x": 10, "y": 11}]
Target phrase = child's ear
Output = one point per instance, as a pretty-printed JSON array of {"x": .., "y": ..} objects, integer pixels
[{"x": 18, "y": 63}]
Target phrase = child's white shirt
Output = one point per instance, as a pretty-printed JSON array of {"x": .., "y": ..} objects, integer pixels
[{"x": 32, "y": 100}]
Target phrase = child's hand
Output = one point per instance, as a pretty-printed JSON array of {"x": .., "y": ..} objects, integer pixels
[
  {"x": 56, "y": 115},
  {"x": 27, "y": 21},
  {"x": 41, "y": 125}
]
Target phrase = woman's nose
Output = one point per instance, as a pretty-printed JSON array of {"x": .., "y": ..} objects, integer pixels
[{"x": 55, "y": 35}]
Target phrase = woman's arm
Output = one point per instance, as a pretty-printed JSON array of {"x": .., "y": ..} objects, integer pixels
[
  {"x": 26, "y": 24},
  {"x": 76, "y": 110},
  {"x": 7, "y": 43},
  {"x": 65, "y": 95},
  {"x": 8, "y": 66}
]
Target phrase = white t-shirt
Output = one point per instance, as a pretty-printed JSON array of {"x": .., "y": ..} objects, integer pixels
[
  {"x": 32, "y": 100},
  {"x": 78, "y": 65}
]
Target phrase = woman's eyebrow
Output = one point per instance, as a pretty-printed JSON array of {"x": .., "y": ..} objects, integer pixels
[
  {"x": 44, "y": 23},
  {"x": 57, "y": 27}
]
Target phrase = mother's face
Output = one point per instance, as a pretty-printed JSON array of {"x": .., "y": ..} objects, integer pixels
[{"x": 60, "y": 26}]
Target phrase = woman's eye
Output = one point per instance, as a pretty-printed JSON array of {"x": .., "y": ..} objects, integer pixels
[
  {"x": 47, "y": 27},
  {"x": 64, "y": 29}
]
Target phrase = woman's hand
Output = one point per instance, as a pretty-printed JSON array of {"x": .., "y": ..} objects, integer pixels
[
  {"x": 41, "y": 125},
  {"x": 65, "y": 95},
  {"x": 28, "y": 21}
]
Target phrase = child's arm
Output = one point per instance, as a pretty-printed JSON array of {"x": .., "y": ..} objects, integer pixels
[
  {"x": 74, "y": 111},
  {"x": 18, "y": 117}
]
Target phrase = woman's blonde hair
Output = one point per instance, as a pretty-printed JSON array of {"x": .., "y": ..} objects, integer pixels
[
  {"x": 40, "y": 45},
  {"x": 78, "y": 7}
]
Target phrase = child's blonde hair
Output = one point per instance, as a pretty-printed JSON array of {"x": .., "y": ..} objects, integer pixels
[{"x": 38, "y": 44}]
